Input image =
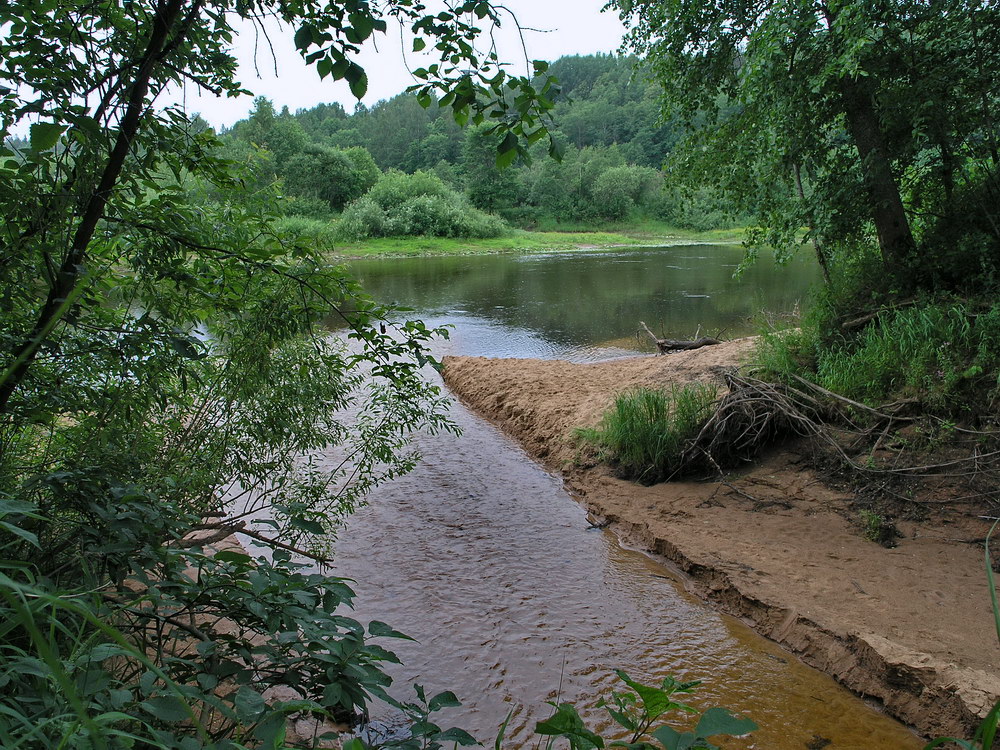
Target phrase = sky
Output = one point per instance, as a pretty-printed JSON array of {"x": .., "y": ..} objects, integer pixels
[{"x": 552, "y": 28}]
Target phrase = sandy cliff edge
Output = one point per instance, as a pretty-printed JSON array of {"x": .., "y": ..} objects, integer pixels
[{"x": 909, "y": 626}]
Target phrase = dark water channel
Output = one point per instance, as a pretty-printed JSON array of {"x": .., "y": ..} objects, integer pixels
[{"x": 486, "y": 560}]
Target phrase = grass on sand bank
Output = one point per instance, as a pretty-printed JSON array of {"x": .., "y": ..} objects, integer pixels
[{"x": 656, "y": 235}]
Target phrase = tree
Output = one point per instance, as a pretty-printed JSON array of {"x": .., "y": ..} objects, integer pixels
[
  {"x": 163, "y": 371},
  {"x": 830, "y": 115},
  {"x": 488, "y": 187},
  {"x": 333, "y": 175}
]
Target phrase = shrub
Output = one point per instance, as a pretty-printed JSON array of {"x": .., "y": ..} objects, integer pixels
[
  {"x": 646, "y": 430},
  {"x": 317, "y": 232},
  {"x": 941, "y": 353},
  {"x": 944, "y": 352},
  {"x": 402, "y": 205}
]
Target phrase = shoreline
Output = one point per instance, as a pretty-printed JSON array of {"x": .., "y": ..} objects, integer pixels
[
  {"x": 524, "y": 241},
  {"x": 909, "y": 627}
]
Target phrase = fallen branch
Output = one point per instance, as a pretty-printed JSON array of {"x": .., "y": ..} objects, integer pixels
[{"x": 677, "y": 345}]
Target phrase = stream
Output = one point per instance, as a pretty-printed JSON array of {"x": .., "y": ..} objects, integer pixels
[{"x": 485, "y": 559}]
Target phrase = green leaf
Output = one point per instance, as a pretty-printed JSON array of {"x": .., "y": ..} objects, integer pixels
[
  {"x": 991, "y": 581},
  {"x": 458, "y": 736},
  {"x": 26, "y": 535},
  {"x": 671, "y": 739},
  {"x": 507, "y": 151},
  {"x": 249, "y": 704},
  {"x": 357, "y": 79},
  {"x": 168, "y": 708},
  {"x": 45, "y": 135},
  {"x": 379, "y": 629},
  {"x": 232, "y": 556},
  {"x": 566, "y": 722},
  {"x": 308, "y": 525},
  {"x": 447, "y": 699},
  {"x": 303, "y": 37},
  {"x": 719, "y": 721},
  {"x": 419, "y": 44}
]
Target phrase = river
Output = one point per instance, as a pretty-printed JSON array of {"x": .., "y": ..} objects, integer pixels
[{"x": 485, "y": 559}]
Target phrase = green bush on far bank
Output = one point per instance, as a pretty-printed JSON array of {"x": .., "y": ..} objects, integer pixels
[{"x": 402, "y": 205}]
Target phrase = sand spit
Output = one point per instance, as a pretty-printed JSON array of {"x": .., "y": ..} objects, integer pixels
[{"x": 910, "y": 627}]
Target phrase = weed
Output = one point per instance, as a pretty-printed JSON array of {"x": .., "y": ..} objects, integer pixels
[{"x": 645, "y": 432}]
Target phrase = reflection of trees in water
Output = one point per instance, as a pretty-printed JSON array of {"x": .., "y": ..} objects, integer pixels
[{"x": 586, "y": 298}]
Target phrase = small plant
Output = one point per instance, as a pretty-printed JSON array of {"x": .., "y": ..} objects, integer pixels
[
  {"x": 646, "y": 431},
  {"x": 638, "y": 711},
  {"x": 877, "y": 528},
  {"x": 871, "y": 524}
]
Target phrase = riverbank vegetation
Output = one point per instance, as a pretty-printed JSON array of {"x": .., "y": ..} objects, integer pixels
[
  {"x": 166, "y": 382},
  {"x": 604, "y": 126},
  {"x": 835, "y": 121}
]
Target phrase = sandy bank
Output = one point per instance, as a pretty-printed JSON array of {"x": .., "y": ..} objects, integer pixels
[{"x": 909, "y": 626}]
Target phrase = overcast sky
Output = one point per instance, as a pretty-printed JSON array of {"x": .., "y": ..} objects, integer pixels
[{"x": 553, "y": 28}]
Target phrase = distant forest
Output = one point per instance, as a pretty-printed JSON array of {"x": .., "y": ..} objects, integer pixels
[{"x": 606, "y": 118}]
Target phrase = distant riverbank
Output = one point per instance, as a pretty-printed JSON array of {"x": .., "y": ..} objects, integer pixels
[{"x": 531, "y": 241}]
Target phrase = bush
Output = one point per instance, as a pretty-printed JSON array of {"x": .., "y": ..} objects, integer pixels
[
  {"x": 944, "y": 353},
  {"x": 646, "y": 430},
  {"x": 402, "y": 205},
  {"x": 317, "y": 232}
]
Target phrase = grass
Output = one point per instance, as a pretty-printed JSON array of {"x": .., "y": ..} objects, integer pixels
[
  {"x": 519, "y": 240},
  {"x": 944, "y": 353},
  {"x": 644, "y": 434}
]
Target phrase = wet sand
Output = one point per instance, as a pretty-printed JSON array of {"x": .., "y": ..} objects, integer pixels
[{"x": 910, "y": 627}]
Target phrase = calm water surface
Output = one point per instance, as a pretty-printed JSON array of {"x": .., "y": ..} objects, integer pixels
[
  {"x": 587, "y": 305},
  {"x": 487, "y": 561}
]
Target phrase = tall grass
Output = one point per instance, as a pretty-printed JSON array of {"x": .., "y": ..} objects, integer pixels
[
  {"x": 644, "y": 434},
  {"x": 944, "y": 353}
]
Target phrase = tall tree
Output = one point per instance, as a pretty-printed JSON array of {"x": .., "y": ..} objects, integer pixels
[
  {"x": 163, "y": 372},
  {"x": 826, "y": 114}
]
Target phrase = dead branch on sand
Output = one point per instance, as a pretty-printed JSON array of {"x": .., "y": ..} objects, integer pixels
[{"x": 679, "y": 345}]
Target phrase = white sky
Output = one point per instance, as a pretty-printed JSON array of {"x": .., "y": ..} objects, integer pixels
[{"x": 565, "y": 27}]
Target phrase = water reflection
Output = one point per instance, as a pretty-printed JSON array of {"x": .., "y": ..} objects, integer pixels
[{"x": 575, "y": 304}]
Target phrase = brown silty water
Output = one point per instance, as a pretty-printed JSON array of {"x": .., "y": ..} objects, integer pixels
[{"x": 515, "y": 600}]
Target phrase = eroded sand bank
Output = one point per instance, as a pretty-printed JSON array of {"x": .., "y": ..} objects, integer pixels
[{"x": 909, "y": 626}]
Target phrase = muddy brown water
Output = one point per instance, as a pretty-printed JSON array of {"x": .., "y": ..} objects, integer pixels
[{"x": 514, "y": 600}]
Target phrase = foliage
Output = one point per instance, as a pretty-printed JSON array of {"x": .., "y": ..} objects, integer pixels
[
  {"x": 605, "y": 117},
  {"x": 401, "y": 205},
  {"x": 187, "y": 654},
  {"x": 856, "y": 120},
  {"x": 487, "y": 187},
  {"x": 943, "y": 353},
  {"x": 623, "y": 189},
  {"x": 637, "y": 711},
  {"x": 166, "y": 380},
  {"x": 645, "y": 432},
  {"x": 334, "y": 176}
]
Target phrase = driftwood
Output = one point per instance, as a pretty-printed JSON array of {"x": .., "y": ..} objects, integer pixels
[{"x": 678, "y": 345}]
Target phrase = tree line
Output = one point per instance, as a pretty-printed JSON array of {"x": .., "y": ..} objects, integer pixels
[{"x": 605, "y": 122}]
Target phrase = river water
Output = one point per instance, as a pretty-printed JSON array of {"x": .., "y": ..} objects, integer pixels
[{"x": 487, "y": 561}]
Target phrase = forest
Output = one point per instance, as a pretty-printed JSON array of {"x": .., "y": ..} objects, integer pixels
[{"x": 605, "y": 121}]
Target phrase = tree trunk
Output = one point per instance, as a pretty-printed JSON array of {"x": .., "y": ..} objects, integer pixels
[
  {"x": 65, "y": 287},
  {"x": 895, "y": 238},
  {"x": 817, "y": 245}
]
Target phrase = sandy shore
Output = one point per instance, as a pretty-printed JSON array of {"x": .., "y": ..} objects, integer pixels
[{"x": 909, "y": 626}]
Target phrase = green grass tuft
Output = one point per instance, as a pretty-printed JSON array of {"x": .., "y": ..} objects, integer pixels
[{"x": 644, "y": 434}]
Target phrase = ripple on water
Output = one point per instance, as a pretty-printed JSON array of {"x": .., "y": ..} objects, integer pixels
[{"x": 485, "y": 560}]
